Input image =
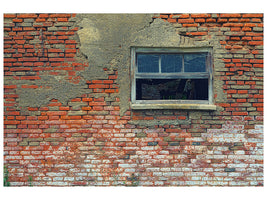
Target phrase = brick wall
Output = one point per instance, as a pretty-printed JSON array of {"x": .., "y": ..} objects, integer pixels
[{"x": 79, "y": 137}]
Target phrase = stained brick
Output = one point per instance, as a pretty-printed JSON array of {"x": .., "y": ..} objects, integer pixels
[{"x": 84, "y": 135}]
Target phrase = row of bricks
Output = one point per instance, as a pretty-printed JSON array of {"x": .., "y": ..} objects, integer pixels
[
  {"x": 29, "y": 15},
  {"x": 33, "y": 54},
  {"x": 142, "y": 183},
  {"x": 222, "y": 15},
  {"x": 41, "y": 66}
]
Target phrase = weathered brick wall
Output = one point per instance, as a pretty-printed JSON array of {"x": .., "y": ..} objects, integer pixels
[{"x": 62, "y": 128}]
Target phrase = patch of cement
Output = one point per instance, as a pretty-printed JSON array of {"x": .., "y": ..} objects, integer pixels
[
  {"x": 52, "y": 88},
  {"x": 105, "y": 41}
]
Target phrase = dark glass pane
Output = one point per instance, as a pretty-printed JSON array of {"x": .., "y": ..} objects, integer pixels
[
  {"x": 171, "y": 63},
  {"x": 148, "y": 63},
  {"x": 171, "y": 89},
  {"x": 195, "y": 62}
]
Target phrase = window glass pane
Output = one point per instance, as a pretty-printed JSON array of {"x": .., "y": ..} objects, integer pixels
[
  {"x": 148, "y": 63},
  {"x": 171, "y": 63},
  {"x": 172, "y": 89},
  {"x": 195, "y": 62}
]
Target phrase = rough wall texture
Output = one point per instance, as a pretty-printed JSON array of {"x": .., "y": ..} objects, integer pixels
[{"x": 67, "y": 114}]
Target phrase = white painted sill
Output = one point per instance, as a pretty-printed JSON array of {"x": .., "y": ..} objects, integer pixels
[{"x": 173, "y": 106}]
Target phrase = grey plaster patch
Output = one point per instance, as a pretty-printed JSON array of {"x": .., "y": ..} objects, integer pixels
[{"x": 53, "y": 87}]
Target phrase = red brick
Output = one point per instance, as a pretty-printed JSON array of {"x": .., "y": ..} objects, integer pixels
[
  {"x": 258, "y": 65},
  {"x": 164, "y": 16},
  {"x": 87, "y": 108},
  {"x": 255, "y": 20},
  {"x": 241, "y": 100},
  {"x": 233, "y": 25},
  {"x": 181, "y": 117},
  {"x": 257, "y": 104},
  {"x": 55, "y": 104},
  {"x": 13, "y": 113},
  {"x": 32, "y": 109},
  {"x": 196, "y": 33},
  {"x": 56, "y": 113},
  {"x": 10, "y": 86},
  {"x": 230, "y": 15},
  {"x": 200, "y": 20},
  {"x": 108, "y": 81},
  {"x": 181, "y": 16},
  {"x": 260, "y": 109},
  {"x": 27, "y": 16},
  {"x": 222, "y": 20},
  {"x": 9, "y": 15},
  {"x": 10, "y": 60},
  {"x": 242, "y": 91},
  {"x": 231, "y": 91},
  {"x": 246, "y": 29},
  {"x": 110, "y": 91},
  {"x": 30, "y": 78},
  {"x": 64, "y": 108},
  {"x": 246, "y": 38},
  {"x": 11, "y": 122},
  {"x": 56, "y": 59},
  {"x": 97, "y": 81},
  {"x": 250, "y": 15},
  {"x": 112, "y": 77},
  {"x": 29, "y": 86},
  {"x": 256, "y": 61},
  {"x": 190, "y": 25},
  {"x": 211, "y": 20},
  {"x": 200, "y": 15},
  {"x": 98, "y": 86},
  {"x": 87, "y": 99},
  {"x": 98, "y": 108},
  {"x": 240, "y": 113},
  {"x": 97, "y": 103},
  {"x": 255, "y": 43},
  {"x": 137, "y": 117},
  {"x": 186, "y": 21},
  {"x": 70, "y": 42},
  {"x": 62, "y": 19},
  {"x": 171, "y": 20},
  {"x": 224, "y": 104}
]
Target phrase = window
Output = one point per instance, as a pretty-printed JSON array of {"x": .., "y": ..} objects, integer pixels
[{"x": 171, "y": 78}]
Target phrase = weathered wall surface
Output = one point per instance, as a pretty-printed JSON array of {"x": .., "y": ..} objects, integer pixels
[{"x": 67, "y": 114}]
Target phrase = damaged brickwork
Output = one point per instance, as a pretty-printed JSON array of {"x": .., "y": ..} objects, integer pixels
[{"x": 67, "y": 112}]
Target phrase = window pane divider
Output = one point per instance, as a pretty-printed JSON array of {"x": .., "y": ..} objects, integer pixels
[{"x": 160, "y": 63}]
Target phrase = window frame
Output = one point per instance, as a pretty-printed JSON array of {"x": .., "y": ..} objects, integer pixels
[{"x": 162, "y": 104}]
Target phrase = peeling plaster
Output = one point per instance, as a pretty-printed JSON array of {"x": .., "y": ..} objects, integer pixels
[{"x": 105, "y": 41}]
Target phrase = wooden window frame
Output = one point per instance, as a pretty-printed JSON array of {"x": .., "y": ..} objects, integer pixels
[{"x": 172, "y": 104}]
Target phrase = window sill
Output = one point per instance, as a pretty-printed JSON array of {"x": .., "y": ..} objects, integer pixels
[{"x": 173, "y": 106}]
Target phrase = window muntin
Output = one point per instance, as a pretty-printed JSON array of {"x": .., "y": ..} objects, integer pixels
[{"x": 171, "y": 75}]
